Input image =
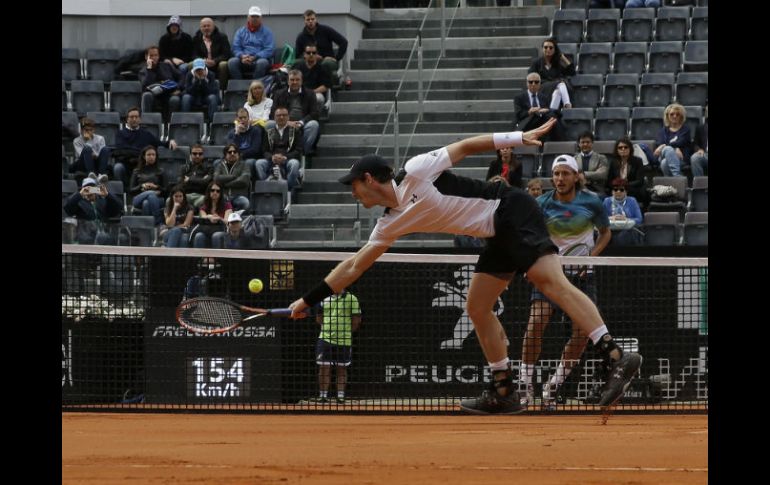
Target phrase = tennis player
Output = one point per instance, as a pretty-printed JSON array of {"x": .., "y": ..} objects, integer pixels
[
  {"x": 570, "y": 216},
  {"x": 425, "y": 197}
]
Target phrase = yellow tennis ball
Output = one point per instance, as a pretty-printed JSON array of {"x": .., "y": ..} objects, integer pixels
[{"x": 255, "y": 285}]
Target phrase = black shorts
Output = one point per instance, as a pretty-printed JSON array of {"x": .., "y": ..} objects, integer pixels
[
  {"x": 520, "y": 235},
  {"x": 330, "y": 354}
]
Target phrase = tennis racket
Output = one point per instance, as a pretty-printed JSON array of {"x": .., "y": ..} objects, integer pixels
[
  {"x": 217, "y": 315},
  {"x": 579, "y": 249}
]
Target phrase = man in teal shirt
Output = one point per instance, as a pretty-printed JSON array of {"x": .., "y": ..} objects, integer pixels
[{"x": 339, "y": 318}]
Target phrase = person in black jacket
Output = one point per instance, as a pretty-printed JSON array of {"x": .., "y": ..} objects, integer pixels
[
  {"x": 507, "y": 166},
  {"x": 554, "y": 69},
  {"x": 213, "y": 47},
  {"x": 176, "y": 47},
  {"x": 324, "y": 37}
]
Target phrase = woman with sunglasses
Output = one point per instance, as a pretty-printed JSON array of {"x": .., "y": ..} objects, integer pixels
[
  {"x": 507, "y": 166},
  {"x": 555, "y": 70},
  {"x": 213, "y": 214},
  {"x": 626, "y": 166},
  {"x": 147, "y": 185},
  {"x": 674, "y": 141}
]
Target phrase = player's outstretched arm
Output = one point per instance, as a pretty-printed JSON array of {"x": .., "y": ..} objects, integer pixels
[
  {"x": 487, "y": 143},
  {"x": 342, "y": 276}
]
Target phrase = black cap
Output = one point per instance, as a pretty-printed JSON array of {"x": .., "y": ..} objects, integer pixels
[{"x": 371, "y": 163}]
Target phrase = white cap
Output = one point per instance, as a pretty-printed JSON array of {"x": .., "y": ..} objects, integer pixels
[
  {"x": 567, "y": 160},
  {"x": 234, "y": 217},
  {"x": 255, "y": 11}
]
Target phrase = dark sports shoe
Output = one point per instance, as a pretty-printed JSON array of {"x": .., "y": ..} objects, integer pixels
[
  {"x": 620, "y": 377},
  {"x": 318, "y": 400},
  {"x": 340, "y": 400},
  {"x": 491, "y": 402}
]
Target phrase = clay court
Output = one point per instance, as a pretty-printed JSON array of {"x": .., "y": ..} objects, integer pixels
[{"x": 107, "y": 448}]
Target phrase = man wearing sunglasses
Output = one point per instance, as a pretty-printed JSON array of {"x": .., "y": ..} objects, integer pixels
[
  {"x": 532, "y": 110},
  {"x": 196, "y": 175}
]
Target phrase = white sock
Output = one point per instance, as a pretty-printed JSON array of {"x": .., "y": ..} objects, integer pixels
[
  {"x": 526, "y": 373},
  {"x": 562, "y": 372},
  {"x": 323, "y": 393},
  {"x": 500, "y": 365},
  {"x": 341, "y": 394},
  {"x": 598, "y": 333}
]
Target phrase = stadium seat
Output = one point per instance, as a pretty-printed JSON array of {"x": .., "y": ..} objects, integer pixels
[
  {"x": 646, "y": 122},
  {"x": 125, "y": 95},
  {"x": 629, "y": 57},
  {"x": 665, "y": 57},
  {"x": 529, "y": 157},
  {"x": 694, "y": 117},
  {"x": 153, "y": 122},
  {"x": 692, "y": 88},
  {"x": 620, "y": 90},
  {"x": 551, "y": 150},
  {"x": 271, "y": 197},
  {"x": 63, "y": 95},
  {"x": 87, "y": 96},
  {"x": 656, "y": 89},
  {"x": 221, "y": 124},
  {"x": 671, "y": 23},
  {"x": 611, "y": 123},
  {"x": 100, "y": 64},
  {"x": 171, "y": 161},
  {"x": 139, "y": 230},
  {"x": 115, "y": 187},
  {"x": 71, "y": 121},
  {"x": 570, "y": 50},
  {"x": 186, "y": 128},
  {"x": 236, "y": 94},
  {"x": 660, "y": 228},
  {"x": 602, "y": 25},
  {"x": 212, "y": 153},
  {"x": 696, "y": 55},
  {"x": 68, "y": 187},
  {"x": 637, "y": 24},
  {"x": 679, "y": 204},
  {"x": 594, "y": 58},
  {"x": 576, "y": 121},
  {"x": 699, "y": 24},
  {"x": 574, "y": 4},
  {"x": 699, "y": 194},
  {"x": 586, "y": 90},
  {"x": 696, "y": 229},
  {"x": 70, "y": 64},
  {"x": 567, "y": 25},
  {"x": 107, "y": 124}
]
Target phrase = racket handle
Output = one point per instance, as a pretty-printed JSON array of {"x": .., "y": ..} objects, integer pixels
[{"x": 280, "y": 312}]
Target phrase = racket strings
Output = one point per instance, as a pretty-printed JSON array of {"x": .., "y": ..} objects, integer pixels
[{"x": 213, "y": 314}]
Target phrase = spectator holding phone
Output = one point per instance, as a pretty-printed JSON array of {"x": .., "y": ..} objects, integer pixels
[{"x": 93, "y": 207}]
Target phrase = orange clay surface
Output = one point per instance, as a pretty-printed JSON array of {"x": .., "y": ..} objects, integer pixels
[{"x": 227, "y": 449}]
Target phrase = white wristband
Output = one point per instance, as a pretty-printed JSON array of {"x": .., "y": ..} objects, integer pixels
[{"x": 510, "y": 139}]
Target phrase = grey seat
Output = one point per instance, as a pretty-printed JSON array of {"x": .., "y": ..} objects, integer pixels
[
  {"x": 611, "y": 123},
  {"x": 271, "y": 197},
  {"x": 567, "y": 25},
  {"x": 221, "y": 124},
  {"x": 692, "y": 88},
  {"x": 656, "y": 89},
  {"x": 699, "y": 194},
  {"x": 605, "y": 147},
  {"x": 71, "y": 121},
  {"x": 70, "y": 64},
  {"x": 586, "y": 90},
  {"x": 154, "y": 123},
  {"x": 171, "y": 161},
  {"x": 646, "y": 122},
  {"x": 100, "y": 64},
  {"x": 671, "y": 23},
  {"x": 679, "y": 204},
  {"x": 68, "y": 187},
  {"x": 212, "y": 152},
  {"x": 186, "y": 128},
  {"x": 236, "y": 94},
  {"x": 87, "y": 96},
  {"x": 529, "y": 157},
  {"x": 694, "y": 118},
  {"x": 696, "y": 55},
  {"x": 576, "y": 121},
  {"x": 699, "y": 24},
  {"x": 602, "y": 25},
  {"x": 637, "y": 24},
  {"x": 629, "y": 57},
  {"x": 594, "y": 58},
  {"x": 660, "y": 228},
  {"x": 551, "y": 150},
  {"x": 125, "y": 95},
  {"x": 570, "y": 50},
  {"x": 665, "y": 57},
  {"x": 139, "y": 230},
  {"x": 115, "y": 187},
  {"x": 620, "y": 90},
  {"x": 107, "y": 124},
  {"x": 696, "y": 229}
]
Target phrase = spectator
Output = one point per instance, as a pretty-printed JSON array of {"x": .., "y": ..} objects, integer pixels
[
  {"x": 674, "y": 143},
  {"x": 178, "y": 216},
  {"x": 531, "y": 109},
  {"x": 214, "y": 211},
  {"x": 699, "y": 161},
  {"x": 196, "y": 175},
  {"x": 624, "y": 214},
  {"x": 234, "y": 237},
  {"x": 593, "y": 166},
  {"x": 248, "y": 139},
  {"x": 233, "y": 177},
  {"x": 253, "y": 47},
  {"x": 176, "y": 47},
  {"x": 130, "y": 140},
  {"x": 147, "y": 185},
  {"x": 555, "y": 70},
  {"x": 91, "y": 150},
  {"x": 607, "y": 3},
  {"x": 214, "y": 48},
  {"x": 258, "y": 105},
  {"x": 303, "y": 110},
  {"x": 641, "y": 3},
  {"x": 507, "y": 166},
  {"x": 201, "y": 89},
  {"x": 162, "y": 84},
  {"x": 315, "y": 78},
  {"x": 93, "y": 209},
  {"x": 324, "y": 37},
  {"x": 627, "y": 166},
  {"x": 535, "y": 188},
  {"x": 282, "y": 150},
  {"x": 340, "y": 316}
]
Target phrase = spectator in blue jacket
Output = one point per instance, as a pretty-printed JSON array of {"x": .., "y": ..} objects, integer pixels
[
  {"x": 129, "y": 141},
  {"x": 674, "y": 141},
  {"x": 624, "y": 214},
  {"x": 93, "y": 210},
  {"x": 201, "y": 89},
  {"x": 253, "y": 47}
]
